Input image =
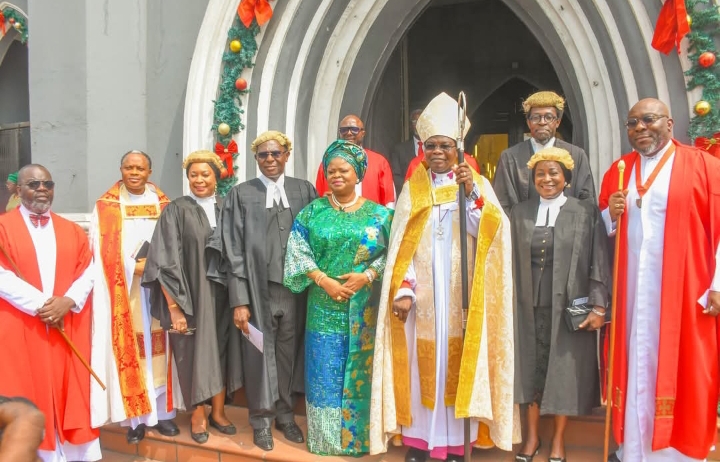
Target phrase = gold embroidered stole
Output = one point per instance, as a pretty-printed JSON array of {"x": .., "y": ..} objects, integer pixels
[
  {"x": 131, "y": 371},
  {"x": 486, "y": 264},
  {"x": 421, "y": 200}
]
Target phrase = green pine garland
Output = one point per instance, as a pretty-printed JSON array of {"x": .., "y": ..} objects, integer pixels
[
  {"x": 228, "y": 106},
  {"x": 11, "y": 13},
  {"x": 704, "y": 30}
]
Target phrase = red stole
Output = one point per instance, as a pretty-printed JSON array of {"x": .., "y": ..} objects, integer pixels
[
  {"x": 377, "y": 185},
  {"x": 133, "y": 388},
  {"x": 688, "y": 380},
  {"x": 44, "y": 369}
]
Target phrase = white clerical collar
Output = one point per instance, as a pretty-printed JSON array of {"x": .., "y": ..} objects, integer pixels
[
  {"x": 271, "y": 187},
  {"x": 549, "y": 210},
  {"x": 536, "y": 145},
  {"x": 439, "y": 179}
]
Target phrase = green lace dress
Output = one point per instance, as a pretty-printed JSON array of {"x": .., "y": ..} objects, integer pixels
[{"x": 339, "y": 336}]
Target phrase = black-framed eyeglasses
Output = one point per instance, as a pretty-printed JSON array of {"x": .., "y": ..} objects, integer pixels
[
  {"x": 647, "y": 119},
  {"x": 35, "y": 184},
  {"x": 264, "y": 154},
  {"x": 353, "y": 130},
  {"x": 536, "y": 118},
  {"x": 444, "y": 147}
]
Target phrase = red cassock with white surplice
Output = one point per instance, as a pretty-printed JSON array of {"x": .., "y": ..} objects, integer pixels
[
  {"x": 687, "y": 382},
  {"x": 35, "y": 361}
]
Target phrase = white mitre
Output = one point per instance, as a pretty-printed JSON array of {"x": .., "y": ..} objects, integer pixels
[{"x": 440, "y": 117}]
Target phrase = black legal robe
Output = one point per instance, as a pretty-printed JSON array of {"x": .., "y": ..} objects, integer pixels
[
  {"x": 238, "y": 259},
  {"x": 176, "y": 262}
]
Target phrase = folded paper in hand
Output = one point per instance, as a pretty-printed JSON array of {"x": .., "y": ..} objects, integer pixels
[{"x": 255, "y": 337}]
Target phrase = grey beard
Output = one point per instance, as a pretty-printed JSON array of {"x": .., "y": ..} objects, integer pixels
[
  {"x": 38, "y": 207},
  {"x": 650, "y": 149}
]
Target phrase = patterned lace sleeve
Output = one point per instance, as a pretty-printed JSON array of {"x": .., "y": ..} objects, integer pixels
[
  {"x": 383, "y": 242},
  {"x": 299, "y": 258}
]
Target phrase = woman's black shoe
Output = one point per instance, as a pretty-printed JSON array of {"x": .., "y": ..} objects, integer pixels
[
  {"x": 199, "y": 438},
  {"x": 528, "y": 457},
  {"x": 134, "y": 436},
  {"x": 226, "y": 429}
]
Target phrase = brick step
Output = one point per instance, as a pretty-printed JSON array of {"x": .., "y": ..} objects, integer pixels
[
  {"x": 583, "y": 437},
  {"x": 112, "y": 456}
]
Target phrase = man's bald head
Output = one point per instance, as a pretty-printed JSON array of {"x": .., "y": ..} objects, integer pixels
[
  {"x": 649, "y": 126},
  {"x": 352, "y": 129}
]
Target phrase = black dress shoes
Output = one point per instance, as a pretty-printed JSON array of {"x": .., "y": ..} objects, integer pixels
[
  {"x": 262, "y": 437},
  {"x": 226, "y": 429},
  {"x": 291, "y": 431},
  {"x": 136, "y": 435},
  {"x": 416, "y": 455},
  {"x": 167, "y": 428}
]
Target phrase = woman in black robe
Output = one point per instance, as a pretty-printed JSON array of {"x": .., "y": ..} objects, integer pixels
[
  {"x": 559, "y": 260},
  {"x": 192, "y": 308}
]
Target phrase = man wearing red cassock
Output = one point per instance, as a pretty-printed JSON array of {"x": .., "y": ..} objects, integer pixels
[
  {"x": 665, "y": 385},
  {"x": 378, "y": 182},
  {"x": 45, "y": 280}
]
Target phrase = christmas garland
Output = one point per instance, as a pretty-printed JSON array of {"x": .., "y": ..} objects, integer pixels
[
  {"x": 241, "y": 49},
  {"x": 10, "y": 17},
  {"x": 704, "y": 21},
  {"x": 227, "y": 120}
]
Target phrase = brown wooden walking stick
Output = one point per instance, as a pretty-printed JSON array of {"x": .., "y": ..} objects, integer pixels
[
  {"x": 58, "y": 326},
  {"x": 611, "y": 353}
]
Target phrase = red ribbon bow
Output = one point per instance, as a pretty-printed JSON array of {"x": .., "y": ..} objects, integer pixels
[
  {"x": 671, "y": 26},
  {"x": 254, "y": 9},
  {"x": 480, "y": 202},
  {"x": 226, "y": 156},
  {"x": 711, "y": 145},
  {"x": 41, "y": 220},
  {"x": 2, "y": 23}
]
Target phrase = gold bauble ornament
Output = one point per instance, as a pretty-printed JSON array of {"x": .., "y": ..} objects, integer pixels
[
  {"x": 235, "y": 46},
  {"x": 224, "y": 129},
  {"x": 702, "y": 108}
]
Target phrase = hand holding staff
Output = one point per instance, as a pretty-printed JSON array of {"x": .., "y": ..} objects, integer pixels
[
  {"x": 58, "y": 324},
  {"x": 617, "y": 207}
]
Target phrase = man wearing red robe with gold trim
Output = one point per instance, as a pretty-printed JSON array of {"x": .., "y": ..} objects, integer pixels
[
  {"x": 45, "y": 280},
  {"x": 378, "y": 185},
  {"x": 129, "y": 346},
  {"x": 665, "y": 385}
]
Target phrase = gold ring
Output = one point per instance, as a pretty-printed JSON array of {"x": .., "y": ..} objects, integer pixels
[
  {"x": 617, "y": 206},
  {"x": 339, "y": 298},
  {"x": 50, "y": 317},
  {"x": 396, "y": 313}
]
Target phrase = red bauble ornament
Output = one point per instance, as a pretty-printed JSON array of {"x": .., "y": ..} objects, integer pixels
[
  {"x": 706, "y": 59},
  {"x": 241, "y": 84}
]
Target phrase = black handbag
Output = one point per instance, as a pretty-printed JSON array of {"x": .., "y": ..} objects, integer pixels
[{"x": 576, "y": 314}]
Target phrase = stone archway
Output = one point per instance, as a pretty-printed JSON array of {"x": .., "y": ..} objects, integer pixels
[{"x": 318, "y": 59}]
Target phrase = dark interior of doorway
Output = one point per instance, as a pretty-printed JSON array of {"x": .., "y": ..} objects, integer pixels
[{"x": 476, "y": 46}]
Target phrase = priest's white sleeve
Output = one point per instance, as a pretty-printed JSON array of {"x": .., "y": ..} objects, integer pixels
[
  {"x": 610, "y": 226},
  {"x": 80, "y": 289},
  {"x": 23, "y": 296}
]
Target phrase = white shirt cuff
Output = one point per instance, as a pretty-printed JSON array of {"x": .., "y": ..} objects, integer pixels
[
  {"x": 80, "y": 289},
  {"x": 610, "y": 226},
  {"x": 405, "y": 292}
]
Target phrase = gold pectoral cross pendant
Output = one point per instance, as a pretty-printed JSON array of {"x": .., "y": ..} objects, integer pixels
[{"x": 638, "y": 202}]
